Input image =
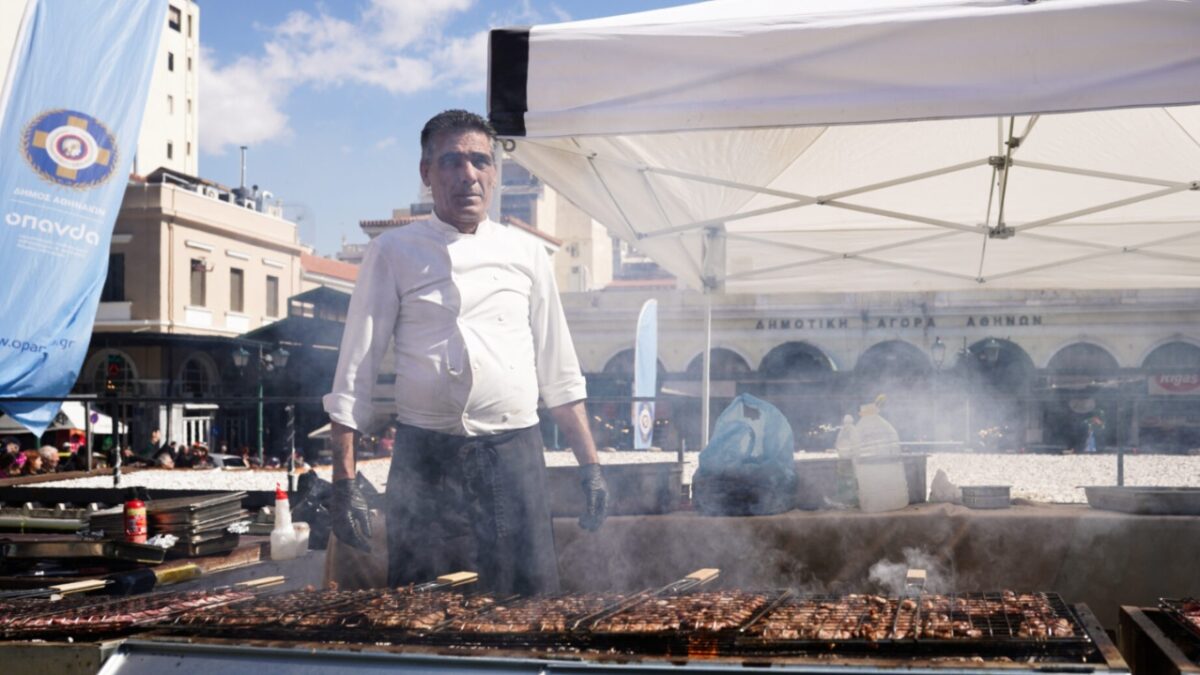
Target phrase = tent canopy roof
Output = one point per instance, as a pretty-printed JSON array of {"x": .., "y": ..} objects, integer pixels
[{"x": 865, "y": 145}]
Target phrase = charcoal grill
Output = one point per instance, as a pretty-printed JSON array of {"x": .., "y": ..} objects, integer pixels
[
  {"x": 104, "y": 616},
  {"x": 901, "y": 636},
  {"x": 1186, "y": 612}
]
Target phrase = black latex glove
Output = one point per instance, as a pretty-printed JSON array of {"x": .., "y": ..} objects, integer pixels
[
  {"x": 351, "y": 516},
  {"x": 595, "y": 497}
]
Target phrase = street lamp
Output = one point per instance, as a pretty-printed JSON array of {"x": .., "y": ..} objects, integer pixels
[
  {"x": 267, "y": 363},
  {"x": 938, "y": 351},
  {"x": 991, "y": 351}
]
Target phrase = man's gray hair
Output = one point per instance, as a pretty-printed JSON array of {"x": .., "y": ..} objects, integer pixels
[
  {"x": 452, "y": 120},
  {"x": 48, "y": 452}
]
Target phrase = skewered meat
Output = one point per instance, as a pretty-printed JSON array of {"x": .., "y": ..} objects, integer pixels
[
  {"x": 537, "y": 615},
  {"x": 708, "y": 611},
  {"x": 113, "y": 615},
  {"x": 931, "y": 617}
]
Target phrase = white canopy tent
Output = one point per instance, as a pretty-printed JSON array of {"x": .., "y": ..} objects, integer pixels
[
  {"x": 70, "y": 416},
  {"x": 874, "y": 145}
]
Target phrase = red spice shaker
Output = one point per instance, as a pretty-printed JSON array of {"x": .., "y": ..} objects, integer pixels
[{"x": 135, "y": 519}]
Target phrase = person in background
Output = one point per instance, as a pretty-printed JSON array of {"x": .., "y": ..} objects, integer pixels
[
  {"x": 8, "y": 465},
  {"x": 184, "y": 457},
  {"x": 480, "y": 335},
  {"x": 200, "y": 458},
  {"x": 49, "y": 455},
  {"x": 33, "y": 463},
  {"x": 71, "y": 458},
  {"x": 387, "y": 442},
  {"x": 248, "y": 458},
  {"x": 11, "y": 445},
  {"x": 148, "y": 453},
  {"x": 164, "y": 459}
]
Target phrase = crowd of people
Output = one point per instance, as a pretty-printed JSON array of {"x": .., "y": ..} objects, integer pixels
[{"x": 16, "y": 461}]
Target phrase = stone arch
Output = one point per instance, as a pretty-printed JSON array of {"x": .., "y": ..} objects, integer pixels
[
  {"x": 1174, "y": 354},
  {"x": 198, "y": 376},
  {"x": 1082, "y": 358},
  {"x": 110, "y": 370},
  {"x": 894, "y": 359},
  {"x": 621, "y": 363},
  {"x": 727, "y": 364},
  {"x": 791, "y": 359}
]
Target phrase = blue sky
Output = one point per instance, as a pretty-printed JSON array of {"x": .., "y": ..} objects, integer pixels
[{"x": 330, "y": 96}]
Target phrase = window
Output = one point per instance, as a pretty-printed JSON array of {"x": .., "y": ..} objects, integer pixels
[
  {"x": 114, "y": 283},
  {"x": 199, "y": 282},
  {"x": 170, "y": 150},
  {"x": 189, "y": 106},
  {"x": 170, "y": 104},
  {"x": 189, "y": 64},
  {"x": 272, "y": 296},
  {"x": 189, "y": 26},
  {"x": 171, "y": 61},
  {"x": 237, "y": 290},
  {"x": 189, "y": 148},
  {"x": 174, "y": 18}
]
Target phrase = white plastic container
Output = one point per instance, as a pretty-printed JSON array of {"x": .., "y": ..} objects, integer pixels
[
  {"x": 283, "y": 536},
  {"x": 881, "y": 483}
]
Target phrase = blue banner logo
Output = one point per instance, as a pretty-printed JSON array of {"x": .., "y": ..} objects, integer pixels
[{"x": 70, "y": 148}]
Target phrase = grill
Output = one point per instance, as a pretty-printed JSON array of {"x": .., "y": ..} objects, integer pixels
[
  {"x": 1026, "y": 627},
  {"x": 677, "y": 622},
  {"x": 1185, "y": 612},
  {"x": 99, "y": 617}
]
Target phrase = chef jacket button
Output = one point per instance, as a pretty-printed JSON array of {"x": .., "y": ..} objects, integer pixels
[
  {"x": 475, "y": 366},
  {"x": 500, "y": 318},
  {"x": 504, "y": 417}
]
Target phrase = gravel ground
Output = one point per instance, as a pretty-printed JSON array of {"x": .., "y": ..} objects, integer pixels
[{"x": 1044, "y": 478}]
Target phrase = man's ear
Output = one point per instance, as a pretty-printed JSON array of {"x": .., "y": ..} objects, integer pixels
[{"x": 424, "y": 169}]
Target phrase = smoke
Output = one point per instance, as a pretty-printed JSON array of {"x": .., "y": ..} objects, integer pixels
[{"x": 891, "y": 578}]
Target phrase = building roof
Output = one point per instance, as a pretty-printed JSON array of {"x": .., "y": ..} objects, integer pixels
[
  {"x": 329, "y": 267},
  {"x": 522, "y": 225},
  {"x": 636, "y": 284},
  {"x": 389, "y": 222}
]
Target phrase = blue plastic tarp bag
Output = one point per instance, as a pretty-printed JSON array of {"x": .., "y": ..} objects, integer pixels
[{"x": 748, "y": 468}]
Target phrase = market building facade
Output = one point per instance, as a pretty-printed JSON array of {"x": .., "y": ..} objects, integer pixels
[{"x": 1006, "y": 371}]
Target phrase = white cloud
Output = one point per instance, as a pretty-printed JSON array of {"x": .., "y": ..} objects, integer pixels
[
  {"x": 395, "y": 45},
  {"x": 384, "y": 143}
]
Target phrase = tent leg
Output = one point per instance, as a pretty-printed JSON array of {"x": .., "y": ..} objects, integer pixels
[{"x": 706, "y": 378}]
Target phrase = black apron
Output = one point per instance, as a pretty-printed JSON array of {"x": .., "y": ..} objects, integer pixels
[{"x": 470, "y": 503}]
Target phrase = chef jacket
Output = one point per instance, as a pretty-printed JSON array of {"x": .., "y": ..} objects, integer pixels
[{"x": 478, "y": 328}]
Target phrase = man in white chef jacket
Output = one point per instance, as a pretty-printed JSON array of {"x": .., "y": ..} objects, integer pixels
[{"x": 480, "y": 336}]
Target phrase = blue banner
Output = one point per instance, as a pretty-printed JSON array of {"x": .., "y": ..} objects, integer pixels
[
  {"x": 70, "y": 112},
  {"x": 645, "y": 375}
]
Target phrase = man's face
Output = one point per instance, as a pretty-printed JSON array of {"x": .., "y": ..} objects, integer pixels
[
  {"x": 461, "y": 175},
  {"x": 155, "y": 436}
]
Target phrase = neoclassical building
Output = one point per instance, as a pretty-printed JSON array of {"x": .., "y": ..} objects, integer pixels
[{"x": 1012, "y": 370}]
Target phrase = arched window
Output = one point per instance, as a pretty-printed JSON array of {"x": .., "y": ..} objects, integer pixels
[
  {"x": 726, "y": 365},
  {"x": 111, "y": 372},
  {"x": 197, "y": 376},
  {"x": 894, "y": 360},
  {"x": 794, "y": 361},
  {"x": 1173, "y": 356},
  {"x": 1082, "y": 358}
]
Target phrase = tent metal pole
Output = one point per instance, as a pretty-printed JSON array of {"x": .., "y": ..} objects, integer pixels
[
  {"x": 87, "y": 437},
  {"x": 706, "y": 380}
]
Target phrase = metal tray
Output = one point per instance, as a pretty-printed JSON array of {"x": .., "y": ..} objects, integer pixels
[
  {"x": 192, "y": 509},
  {"x": 1145, "y": 500},
  {"x": 215, "y": 524},
  {"x": 223, "y": 543},
  {"x": 108, "y": 550}
]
